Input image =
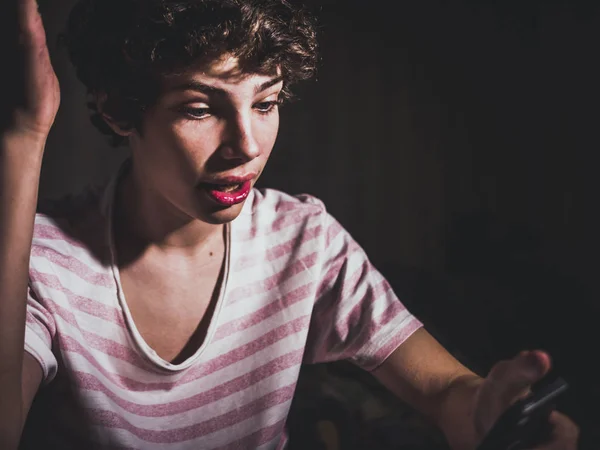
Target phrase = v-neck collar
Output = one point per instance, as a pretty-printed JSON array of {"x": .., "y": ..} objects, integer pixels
[{"x": 108, "y": 203}]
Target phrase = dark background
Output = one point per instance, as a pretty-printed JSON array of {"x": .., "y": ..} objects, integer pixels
[{"x": 457, "y": 142}]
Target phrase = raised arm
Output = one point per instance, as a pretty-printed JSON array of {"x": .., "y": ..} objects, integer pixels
[{"x": 30, "y": 99}]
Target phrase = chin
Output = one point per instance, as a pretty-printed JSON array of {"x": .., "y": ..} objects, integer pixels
[{"x": 219, "y": 216}]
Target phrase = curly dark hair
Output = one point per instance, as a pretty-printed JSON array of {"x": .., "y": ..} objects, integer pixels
[{"x": 121, "y": 49}]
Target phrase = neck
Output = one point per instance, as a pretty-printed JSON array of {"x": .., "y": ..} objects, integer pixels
[{"x": 146, "y": 221}]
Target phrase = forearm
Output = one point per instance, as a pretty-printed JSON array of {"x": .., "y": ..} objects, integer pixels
[
  {"x": 455, "y": 412},
  {"x": 423, "y": 374},
  {"x": 20, "y": 165}
]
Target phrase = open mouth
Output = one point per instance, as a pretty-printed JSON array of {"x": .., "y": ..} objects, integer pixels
[
  {"x": 227, "y": 194},
  {"x": 223, "y": 187}
]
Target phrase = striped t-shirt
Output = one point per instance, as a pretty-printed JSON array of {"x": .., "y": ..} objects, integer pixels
[{"x": 297, "y": 289}]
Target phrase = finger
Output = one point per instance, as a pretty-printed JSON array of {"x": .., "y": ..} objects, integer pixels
[
  {"x": 27, "y": 10},
  {"x": 31, "y": 28},
  {"x": 511, "y": 379},
  {"x": 565, "y": 433},
  {"x": 32, "y": 35}
]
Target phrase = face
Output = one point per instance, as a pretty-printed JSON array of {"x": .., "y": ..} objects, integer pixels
[{"x": 207, "y": 139}]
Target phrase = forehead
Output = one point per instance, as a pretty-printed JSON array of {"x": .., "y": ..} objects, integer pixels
[{"x": 223, "y": 75}]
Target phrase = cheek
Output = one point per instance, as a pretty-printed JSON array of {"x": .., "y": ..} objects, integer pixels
[
  {"x": 180, "y": 142},
  {"x": 161, "y": 157},
  {"x": 267, "y": 134}
]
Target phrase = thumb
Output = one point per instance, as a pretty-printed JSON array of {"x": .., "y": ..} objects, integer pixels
[{"x": 512, "y": 379}]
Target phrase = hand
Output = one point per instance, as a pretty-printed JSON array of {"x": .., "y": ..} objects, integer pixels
[
  {"x": 32, "y": 96},
  {"x": 510, "y": 380}
]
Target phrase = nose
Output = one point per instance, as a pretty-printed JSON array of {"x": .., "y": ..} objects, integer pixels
[{"x": 239, "y": 142}]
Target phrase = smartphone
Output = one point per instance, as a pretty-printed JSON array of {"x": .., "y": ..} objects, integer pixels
[{"x": 525, "y": 423}]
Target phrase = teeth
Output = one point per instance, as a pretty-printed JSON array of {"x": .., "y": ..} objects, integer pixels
[{"x": 229, "y": 188}]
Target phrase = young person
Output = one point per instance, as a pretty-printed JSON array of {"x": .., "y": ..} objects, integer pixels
[{"x": 173, "y": 309}]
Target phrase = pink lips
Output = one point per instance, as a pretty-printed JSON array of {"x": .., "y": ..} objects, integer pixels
[{"x": 229, "y": 198}]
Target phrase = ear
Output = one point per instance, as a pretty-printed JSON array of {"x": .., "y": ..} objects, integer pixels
[{"x": 119, "y": 127}]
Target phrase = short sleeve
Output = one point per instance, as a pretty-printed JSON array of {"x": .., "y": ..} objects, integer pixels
[
  {"x": 39, "y": 334},
  {"x": 356, "y": 316}
]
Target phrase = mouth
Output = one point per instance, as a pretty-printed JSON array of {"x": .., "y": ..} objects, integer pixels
[{"x": 228, "y": 191}]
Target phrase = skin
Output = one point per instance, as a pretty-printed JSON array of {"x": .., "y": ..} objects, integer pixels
[{"x": 225, "y": 134}]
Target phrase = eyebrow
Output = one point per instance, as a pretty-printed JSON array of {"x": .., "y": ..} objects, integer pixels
[{"x": 198, "y": 86}]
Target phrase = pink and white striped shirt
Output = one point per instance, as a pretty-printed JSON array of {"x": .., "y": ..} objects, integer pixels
[{"x": 297, "y": 289}]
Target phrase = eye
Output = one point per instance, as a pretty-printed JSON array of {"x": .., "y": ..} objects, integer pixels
[
  {"x": 196, "y": 113},
  {"x": 267, "y": 107}
]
